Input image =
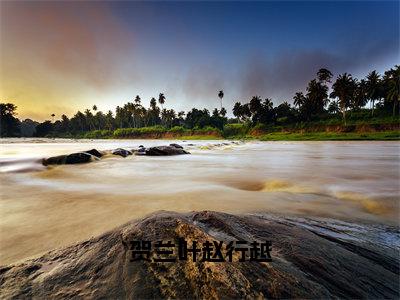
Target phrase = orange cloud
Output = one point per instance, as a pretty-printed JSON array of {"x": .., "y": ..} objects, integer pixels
[{"x": 54, "y": 52}]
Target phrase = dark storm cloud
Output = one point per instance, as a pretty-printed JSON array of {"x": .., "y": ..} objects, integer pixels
[{"x": 280, "y": 77}]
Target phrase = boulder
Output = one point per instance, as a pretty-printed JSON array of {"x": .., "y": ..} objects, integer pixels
[
  {"x": 74, "y": 158},
  {"x": 165, "y": 150},
  {"x": 141, "y": 151},
  {"x": 176, "y": 146},
  {"x": 121, "y": 152},
  {"x": 95, "y": 152},
  {"x": 311, "y": 259}
]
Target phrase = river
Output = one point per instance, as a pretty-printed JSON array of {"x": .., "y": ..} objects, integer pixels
[{"x": 43, "y": 208}]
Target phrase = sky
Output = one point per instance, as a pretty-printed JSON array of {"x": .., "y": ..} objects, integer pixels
[{"x": 61, "y": 57}]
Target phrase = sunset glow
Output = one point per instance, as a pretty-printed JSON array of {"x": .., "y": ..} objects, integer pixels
[{"x": 67, "y": 56}]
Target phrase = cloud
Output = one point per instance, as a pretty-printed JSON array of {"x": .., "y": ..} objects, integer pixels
[
  {"x": 283, "y": 75},
  {"x": 80, "y": 40},
  {"x": 201, "y": 84}
]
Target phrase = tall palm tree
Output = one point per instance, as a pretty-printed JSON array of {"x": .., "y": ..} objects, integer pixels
[
  {"x": 360, "y": 95},
  {"x": 255, "y": 104},
  {"x": 392, "y": 83},
  {"x": 89, "y": 117},
  {"x": 223, "y": 112},
  {"x": 343, "y": 88},
  {"x": 161, "y": 100},
  {"x": 373, "y": 86},
  {"x": 153, "y": 103},
  {"x": 130, "y": 108},
  {"x": 324, "y": 75},
  {"x": 221, "y": 95},
  {"x": 298, "y": 99},
  {"x": 317, "y": 93},
  {"x": 237, "y": 110},
  {"x": 95, "y": 118},
  {"x": 109, "y": 120},
  {"x": 137, "y": 99}
]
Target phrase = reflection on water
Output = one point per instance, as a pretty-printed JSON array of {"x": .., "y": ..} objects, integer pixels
[{"x": 44, "y": 208}]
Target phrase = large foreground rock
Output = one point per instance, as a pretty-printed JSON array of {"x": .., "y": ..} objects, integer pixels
[{"x": 311, "y": 258}]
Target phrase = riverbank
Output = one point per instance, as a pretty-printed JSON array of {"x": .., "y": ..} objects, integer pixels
[
  {"x": 381, "y": 132},
  {"x": 331, "y": 136}
]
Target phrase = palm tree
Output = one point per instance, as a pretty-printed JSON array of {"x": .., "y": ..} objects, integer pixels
[
  {"x": 317, "y": 94},
  {"x": 373, "y": 85},
  {"x": 161, "y": 100},
  {"x": 137, "y": 99},
  {"x": 298, "y": 99},
  {"x": 360, "y": 95},
  {"x": 343, "y": 89},
  {"x": 95, "y": 118},
  {"x": 89, "y": 117},
  {"x": 109, "y": 120},
  {"x": 392, "y": 83},
  {"x": 255, "y": 104},
  {"x": 223, "y": 112},
  {"x": 221, "y": 95},
  {"x": 324, "y": 75},
  {"x": 52, "y": 117},
  {"x": 153, "y": 103},
  {"x": 130, "y": 108},
  {"x": 237, "y": 110}
]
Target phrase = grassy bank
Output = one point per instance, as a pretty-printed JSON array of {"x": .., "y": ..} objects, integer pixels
[
  {"x": 154, "y": 132},
  {"x": 330, "y": 136},
  {"x": 374, "y": 129}
]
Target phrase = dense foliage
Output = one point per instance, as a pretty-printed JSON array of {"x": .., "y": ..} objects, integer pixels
[{"x": 323, "y": 101}]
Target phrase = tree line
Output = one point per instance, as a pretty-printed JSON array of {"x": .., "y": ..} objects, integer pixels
[{"x": 322, "y": 99}]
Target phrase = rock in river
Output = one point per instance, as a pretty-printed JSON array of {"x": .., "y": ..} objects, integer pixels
[
  {"x": 95, "y": 152},
  {"x": 121, "y": 152},
  {"x": 176, "y": 146},
  {"x": 74, "y": 158},
  {"x": 165, "y": 150}
]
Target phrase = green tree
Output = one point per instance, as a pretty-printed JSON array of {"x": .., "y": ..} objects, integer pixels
[
  {"x": 373, "y": 86},
  {"x": 109, "y": 120},
  {"x": 299, "y": 99},
  {"x": 392, "y": 87},
  {"x": 333, "y": 108},
  {"x": 237, "y": 110},
  {"x": 161, "y": 100},
  {"x": 89, "y": 119},
  {"x": 317, "y": 95},
  {"x": 324, "y": 75},
  {"x": 360, "y": 95},
  {"x": 343, "y": 89},
  {"x": 137, "y": 99},
  {"x": 9, "y": 123},
  {"x": 221, "y": 95},
  {"x": 65, "y": 124}
]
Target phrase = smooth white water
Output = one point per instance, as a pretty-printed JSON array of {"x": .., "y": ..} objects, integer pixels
[{"x": 42, "y": 208}]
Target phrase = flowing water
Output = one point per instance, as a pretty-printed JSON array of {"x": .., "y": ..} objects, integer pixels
[{"x": 42, "y": 208}]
